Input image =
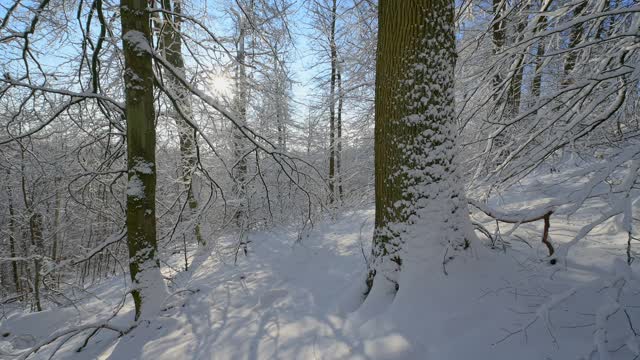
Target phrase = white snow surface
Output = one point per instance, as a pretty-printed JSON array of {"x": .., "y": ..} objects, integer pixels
[{"x": 287, "y": 301}]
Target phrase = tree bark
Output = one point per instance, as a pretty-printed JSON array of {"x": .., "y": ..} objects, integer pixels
[
  {"x": 419, "y": 199},
  {"x": 171, "y": 44},
  {"x": 498, "y": 39},
  {"x": 35, "y": 230},
  {"x": 332, "y": 104},
  {"x": 12, "y": 232},
  {"x": 56, "y": 223},
  {"x": 239, "y": 148},
  {"x": 514, "y": 92},
  {"x": 149, "y": 288},
  {"x": 539, "y": 61},
  {"x": 575, "y": 37},
  {"x": 35, "y": 233},
  {"x": 339, "y": 134},
  {"x": 280, "y": 101}
]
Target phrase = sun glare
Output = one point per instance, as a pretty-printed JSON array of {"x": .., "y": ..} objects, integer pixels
[{"x": 220, "y": 84}]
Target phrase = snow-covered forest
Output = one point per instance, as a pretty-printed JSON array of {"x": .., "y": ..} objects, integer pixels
[{"x": 320, "y": 179}]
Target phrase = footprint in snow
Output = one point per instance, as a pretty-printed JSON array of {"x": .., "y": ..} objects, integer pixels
[{"x": 270, "y": 297}]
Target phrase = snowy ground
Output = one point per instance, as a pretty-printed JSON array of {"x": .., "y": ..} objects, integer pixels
[{"x": 293, "y": 302}]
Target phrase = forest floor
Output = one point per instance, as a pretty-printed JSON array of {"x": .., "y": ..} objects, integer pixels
[{"x": 290, "y": 301}]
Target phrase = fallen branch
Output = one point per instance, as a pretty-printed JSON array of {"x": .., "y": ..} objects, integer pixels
[{"x": 542, "y": 213}]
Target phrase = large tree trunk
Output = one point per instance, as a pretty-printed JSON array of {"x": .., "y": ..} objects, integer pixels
[
  {"x": 171, "y": 45},
  {"x": 149, "y": 289},
  {"x": 419, "y": 196}
]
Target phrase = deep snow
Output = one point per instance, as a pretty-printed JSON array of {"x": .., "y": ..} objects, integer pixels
[{"x": 288, "y": 301}]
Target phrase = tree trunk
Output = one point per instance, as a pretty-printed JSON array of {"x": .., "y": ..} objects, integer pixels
[
  {"x": 171, "y": 45},
  {"x": 280, "y": 101},
  {"x": 35, "y": 234},
  {"x": 149, "y": 288},
  {"x": 332, "y": 105},
  {"x": 498, "y": 39},
  {"x": 35, "y": 229},
  {"x": 239, "y": 148},
  {"x": 339, "y": 135},
  {"x": 12, "y": 232},
  {"x": 514, "y": 93},
  {"x": 56, "y": 223},
  {"x": 575, "y": 37},
  {"x": 419, "y": 196},
  {"x": 537, "y": 77},
  {"x": 12, "y": 249}
]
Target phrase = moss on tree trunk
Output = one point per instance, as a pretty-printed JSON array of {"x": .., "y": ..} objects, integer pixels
[
  {"x": 414, "y": 132},
  {"x": 141, "y": 146}
]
